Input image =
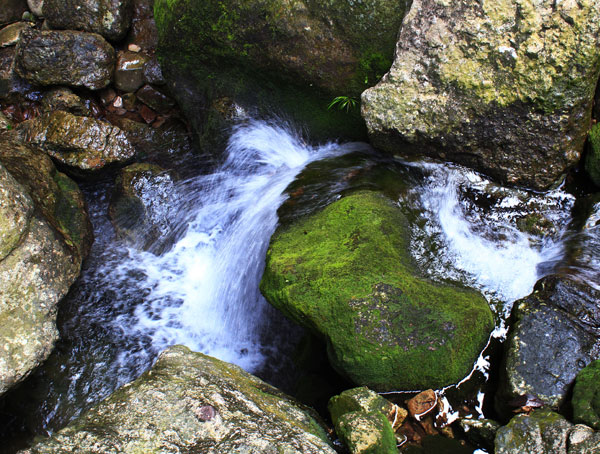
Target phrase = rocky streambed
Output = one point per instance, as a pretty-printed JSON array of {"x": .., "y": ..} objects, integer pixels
[{"x": 169, "y": 168}]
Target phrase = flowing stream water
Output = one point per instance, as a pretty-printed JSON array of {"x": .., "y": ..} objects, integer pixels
[{"x": 202, "y": 290}]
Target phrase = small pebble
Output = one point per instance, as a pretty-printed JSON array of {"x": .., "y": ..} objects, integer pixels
[{"x": 134, "y": 48}]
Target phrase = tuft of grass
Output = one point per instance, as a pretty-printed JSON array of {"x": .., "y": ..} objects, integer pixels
[{"x": 346, "y": 103}]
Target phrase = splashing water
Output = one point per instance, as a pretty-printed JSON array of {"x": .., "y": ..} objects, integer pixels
[
  {"x": 203, "y": 293},
  {"x": 468, "y": 232}
]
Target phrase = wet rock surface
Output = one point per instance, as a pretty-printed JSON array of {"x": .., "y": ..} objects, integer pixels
[
  {"x": 545, "y": 432},
  {"x": 12, "y": 10},
  {"x": 9, "y": 35},
  {"x": 189, "y": 402},
  {"x": 143, "y": 206},
  {"x": 62, "y": 98},
  {"x": 45, "y": 233},
  {"x": 65, "y": 58},
  {"x": 460, "y": 89},
  {"x": 80, "y": 143},
  {"x": 129, "y": 71},
  {"x": 552, "y": 337},
  {"x": 109, "y": 18},
  {"x": 346, "y": 274}
]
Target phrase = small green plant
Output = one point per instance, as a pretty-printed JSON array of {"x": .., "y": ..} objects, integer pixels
[{"x": 343, "y": 103}]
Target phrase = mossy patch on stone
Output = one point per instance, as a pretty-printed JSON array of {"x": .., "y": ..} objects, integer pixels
[
  {"x": 592, "y": 160},
  {"x": 586, "y": 396},
  {"x": 346, "y": 274}
]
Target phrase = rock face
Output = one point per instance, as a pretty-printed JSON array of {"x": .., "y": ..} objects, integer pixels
[
  {"x": 44, "y": 235},
  {"x": 586, "y": 396},
  {"x": 109, "y": 18},
  {"x": 545, "y": 432},
  {"x": 505, "y": 87},
  {"x": 65, "y": 58},
  {"x": 552, "y": 337},
  {"x": 144, "y": 204},
  {"x": 189, "y": 402},
  {"x": 592, "y": 160},
  {"x": 294, "y": 57},
  {"x": 12, "y": 10},
  {"x": 346, "y": 274},
  {"x": 80, "y": 143}
]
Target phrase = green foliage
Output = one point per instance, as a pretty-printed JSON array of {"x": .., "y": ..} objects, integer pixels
[{"x": 346, "y": 103}]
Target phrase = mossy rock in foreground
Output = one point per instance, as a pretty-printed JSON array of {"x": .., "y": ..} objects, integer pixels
[
  {"x": 346, "y": 274},
  {"x": 592, "y": 160},
  {"x": 586, "y": 396}
]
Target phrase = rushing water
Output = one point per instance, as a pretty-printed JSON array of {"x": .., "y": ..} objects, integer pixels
[{"x": 200, "y": 288}]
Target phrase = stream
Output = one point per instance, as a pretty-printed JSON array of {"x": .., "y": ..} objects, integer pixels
[{"x": 201, "y": 289}]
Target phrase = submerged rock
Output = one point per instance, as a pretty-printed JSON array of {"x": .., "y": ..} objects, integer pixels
[
  {"x": 109, "y": 18},
  {"x": 553, "y": 335},
  {"x": 545, "y": 432},
  {"x": 190, "y": 402},
  {"x": 346, "y": 274},
  {"x": 65, "y": 58},
  {"x": 505, "y": 87},
  {"x": 44, "y": 235},
  {"x": 83, "y": 144},
  {"x": 586, "y": 396},
  {"x": 144, "y": 205}
]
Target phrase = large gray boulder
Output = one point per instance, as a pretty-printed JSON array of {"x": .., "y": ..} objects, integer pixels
[
  {"x": 65, "y": 58},
  {"x": 553, "y": 335},
  {"x": 505, "y": 86},
  {"x": 190, "y": 402},
  {"x": 44, "y": 235},
  {"x": 109, "y": 18}
]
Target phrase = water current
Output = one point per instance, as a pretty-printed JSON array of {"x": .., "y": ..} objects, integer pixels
[{"x": 201, "y": 289}]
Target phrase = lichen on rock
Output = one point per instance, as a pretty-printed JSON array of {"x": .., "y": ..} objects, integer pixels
[{"x": 505, "y": 87}]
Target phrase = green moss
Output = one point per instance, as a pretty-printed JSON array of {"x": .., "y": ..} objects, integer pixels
[
  {"x": 290, "y": 57},
  {"x": 357, "y": 399},
  {"x": 69, "y": 213},
  {"x": 367, "y": 433},
  {"x": 592, "y": 161},
  {"x": 586, "y": 396},
  {"x": 346, "y": 274}
]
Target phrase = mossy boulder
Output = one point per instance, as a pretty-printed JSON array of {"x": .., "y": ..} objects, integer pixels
[
  {"x": 505, "y": 87},
  {"x": 586, "y": 396},
  {"x": 190, "y": 402},
  {"x": 366, "y": 433},
  {"x": 592, "y": 160},
  {"x": 44, "y": 235},
  {"x": 346, "y": 274},
  {"x": 290, "y": 57}
]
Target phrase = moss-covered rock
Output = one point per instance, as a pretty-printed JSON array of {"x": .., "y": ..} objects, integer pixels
[
  {"x": 346, "y": 274},
  {"x": 190, "y": 402},
  {"x": 541, "y": 432},
  {"x": 586, "y": 396},
  {"x": 81, "y": 144},
  {"x": 366, "y": 433},
  {"x": 290, "y": 57},
  {"x": 49, "y": 234},
  {"x": 358, "y": 399},
  {"x": 505, "y": 87},
  {"x": 592, "y": 160}
]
